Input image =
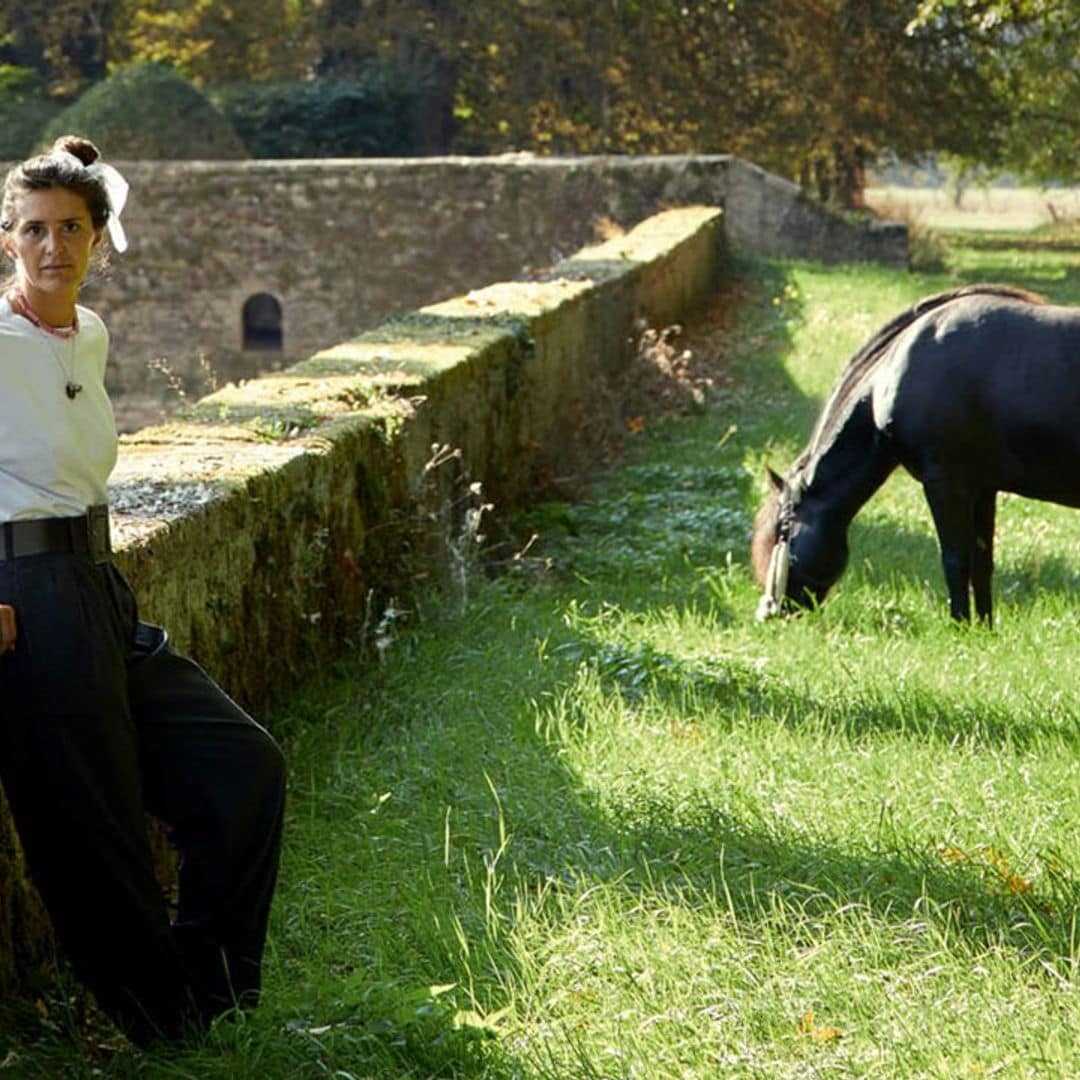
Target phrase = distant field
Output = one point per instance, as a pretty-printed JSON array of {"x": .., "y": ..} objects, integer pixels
[{"x": 980, "y": 208}]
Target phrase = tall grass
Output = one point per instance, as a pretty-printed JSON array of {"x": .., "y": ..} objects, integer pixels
[{"x": 603, "y": 824}]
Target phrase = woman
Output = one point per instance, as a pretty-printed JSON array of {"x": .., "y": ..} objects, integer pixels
[{"x": 101, "y": 719}]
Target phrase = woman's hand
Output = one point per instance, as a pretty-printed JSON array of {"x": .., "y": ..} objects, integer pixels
[{"x": 7, "y": 628}]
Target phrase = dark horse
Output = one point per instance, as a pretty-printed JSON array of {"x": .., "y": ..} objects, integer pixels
[{"x": 973, "y": 391}]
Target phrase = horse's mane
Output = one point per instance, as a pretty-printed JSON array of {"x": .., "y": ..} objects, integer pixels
[
  {"x": 866, "y": 359},
  {"x": 844, "y": 391}
]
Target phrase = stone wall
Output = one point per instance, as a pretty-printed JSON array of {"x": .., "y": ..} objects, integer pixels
[
  {"x": 262, "y": 528},
  {"x": 342, "y": 245}
]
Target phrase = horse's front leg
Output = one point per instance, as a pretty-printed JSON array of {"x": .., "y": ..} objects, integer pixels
[
  {"x": 982, "y": 556},
  {"x": 954, "y": 519}
]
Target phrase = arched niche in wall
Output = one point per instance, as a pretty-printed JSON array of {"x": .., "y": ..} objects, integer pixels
[{"x": 262, "y": 323}]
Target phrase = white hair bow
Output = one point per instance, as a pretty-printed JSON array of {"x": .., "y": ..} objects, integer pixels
[{"x": 116, "y": 193}]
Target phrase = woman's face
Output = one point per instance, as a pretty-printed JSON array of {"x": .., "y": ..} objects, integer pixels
[{"x": 51, "y": 239}]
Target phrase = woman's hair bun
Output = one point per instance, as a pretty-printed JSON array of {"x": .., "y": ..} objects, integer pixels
[{"x": 76, "y": 145}]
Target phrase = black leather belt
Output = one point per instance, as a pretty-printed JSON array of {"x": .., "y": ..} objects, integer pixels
[{"x": 87, "y": 534}]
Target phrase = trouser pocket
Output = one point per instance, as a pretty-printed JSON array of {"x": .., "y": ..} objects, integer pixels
[{"x": 69, "y": 657}]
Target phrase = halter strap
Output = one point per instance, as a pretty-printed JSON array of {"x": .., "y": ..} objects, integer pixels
[
  {"x": 776, "y": 578},
  {"x": 775, "y": 581}
]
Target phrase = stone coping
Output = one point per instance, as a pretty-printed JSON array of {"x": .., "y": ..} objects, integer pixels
[{"x": 259, "y": 526}]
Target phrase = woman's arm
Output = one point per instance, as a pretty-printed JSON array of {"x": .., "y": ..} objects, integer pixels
[{"x": 7, "y": 628}]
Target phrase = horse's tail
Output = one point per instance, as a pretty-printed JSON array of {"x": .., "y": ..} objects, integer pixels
[{"x": 875, "y": 348}]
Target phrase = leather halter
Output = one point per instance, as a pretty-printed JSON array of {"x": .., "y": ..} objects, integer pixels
[{"x": 779, "y": 562}]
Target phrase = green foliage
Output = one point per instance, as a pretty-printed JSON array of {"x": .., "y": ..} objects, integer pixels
[
  {"x": 18, "y": 82},
  {"x": 149, "y": 111},
  {"x": 1025, "y": 52},
  {"x": 213, "y": 40},
  {"x": 327, "y": 117},
  {"x": 25, "y": 109},
  {"x": 812, "y": 89}
]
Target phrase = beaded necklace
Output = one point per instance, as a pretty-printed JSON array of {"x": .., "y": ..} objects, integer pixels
[{"x": 21, "y": 306}]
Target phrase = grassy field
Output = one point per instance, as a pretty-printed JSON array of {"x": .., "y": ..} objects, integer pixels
[
  {"x": 604, "y": 824},
  {"x": 979, "y": 207}
]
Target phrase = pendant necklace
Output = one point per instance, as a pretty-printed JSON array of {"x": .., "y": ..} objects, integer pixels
[
  {"x": 71, "y": 387},
  {"x": 54, "y": 335}
]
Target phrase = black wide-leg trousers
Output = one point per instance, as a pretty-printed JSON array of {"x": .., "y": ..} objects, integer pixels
[{"x": 94, "y": 733}]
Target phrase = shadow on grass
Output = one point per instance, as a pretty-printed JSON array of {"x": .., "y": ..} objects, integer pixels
[
  {"x": 502, "y": 778},
  {"x": 980, "y": 901},
  {"x": 487, "y": 815},
  {"x": 735, "y": 690}
]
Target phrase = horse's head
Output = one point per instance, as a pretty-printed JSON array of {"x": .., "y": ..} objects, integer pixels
[{"x": 795, "y": 556}]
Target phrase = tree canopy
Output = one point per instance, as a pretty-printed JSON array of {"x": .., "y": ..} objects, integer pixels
[
  {"x": 149, "y": 111},
  {"x": 1028, "y": 52},
  {"x": 814, "y": 89}
]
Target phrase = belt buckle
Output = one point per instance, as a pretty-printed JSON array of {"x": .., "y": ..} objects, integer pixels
[
  {"x": 97, "y": 532},
  {"x": 150, "y": 639}
]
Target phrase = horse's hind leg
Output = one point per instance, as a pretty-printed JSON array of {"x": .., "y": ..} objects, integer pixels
[
  {"x": 982, "y": 555},
  {"x": 954, "y": 518}
]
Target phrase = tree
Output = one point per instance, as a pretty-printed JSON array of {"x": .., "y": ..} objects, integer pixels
[
  {"x": 840, "y": 81},
  {"x": 66, "y": 41},
  {"x": 1029, "y": 51},
  {"x": 25, "y": 109},
  {"x": 623, "y": 76},
  {"x": 325, "y": 117},
  {"x": 813, "y": 89},
  {"x": 149, "y": 111},
  {"x": 411, "y": 43},
  {"x": 214, "y": 40}
]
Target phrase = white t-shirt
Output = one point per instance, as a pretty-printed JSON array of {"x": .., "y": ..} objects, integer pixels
[{"x": 56, "y": 452}]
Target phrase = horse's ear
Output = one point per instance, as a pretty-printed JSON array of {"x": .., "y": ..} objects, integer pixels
[{"x": 776, "y": 482}]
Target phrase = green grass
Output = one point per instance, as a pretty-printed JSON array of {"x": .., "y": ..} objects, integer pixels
[{"x": 604, "y": 824}]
